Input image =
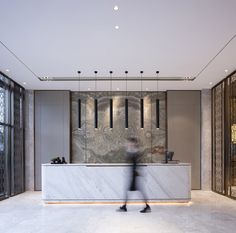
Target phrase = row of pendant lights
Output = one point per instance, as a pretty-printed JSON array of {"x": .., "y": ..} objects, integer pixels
[{"x": 126, "y": 106}]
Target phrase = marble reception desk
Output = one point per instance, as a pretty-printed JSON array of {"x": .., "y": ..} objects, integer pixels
[{"x": 107, "y": 182}]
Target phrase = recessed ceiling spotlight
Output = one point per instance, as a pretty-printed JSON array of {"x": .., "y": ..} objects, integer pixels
[
  {"x": 7, "y": 70},
  {"x": 117, "y": 27},
  {"x": 226, "y": 71},
  {"x": 24, "y": 83},
  {"x": 116, "y": 8},
  {"x": 89, "y": 89},
  {"x": 117, "y": 88},
  {"x": 146, "y": 89},
  {"x": 210, "y": 83}
]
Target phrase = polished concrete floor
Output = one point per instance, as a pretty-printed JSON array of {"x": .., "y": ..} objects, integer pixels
[{"x": 208, "y": 213}]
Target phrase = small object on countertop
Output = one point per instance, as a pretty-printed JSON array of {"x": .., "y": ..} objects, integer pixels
[
  {"x": 56, "y": 160},
  {"x": 63, "y": 161}
]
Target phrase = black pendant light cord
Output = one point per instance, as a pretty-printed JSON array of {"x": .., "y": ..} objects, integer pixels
[
  {"x": 111, "y": 84},
  {"x": 126, "y": 83},
  {"x": 95, "y": 88},
  {"x": 141, "y": 94}
]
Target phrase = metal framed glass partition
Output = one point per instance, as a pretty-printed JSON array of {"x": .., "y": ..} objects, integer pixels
[
  {"x": 218, "y": 139},
  {"x": 224, "y": 137},
  {"x": 11, "y": 138},
  {"x": 232, "y": 157}
]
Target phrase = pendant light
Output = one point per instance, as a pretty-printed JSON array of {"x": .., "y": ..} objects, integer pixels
[
  {"x": 141, "y": 103},
  {"x": 95, "y": 103},
  {"x": 111, "y": 102},
  {"x": 157, "y": 105},
  {"x": 79, "y": 104},
  {"x": 126, "y": 105}
]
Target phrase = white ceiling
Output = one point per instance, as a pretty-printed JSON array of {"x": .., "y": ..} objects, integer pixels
[{"x": 59, "y": 37}]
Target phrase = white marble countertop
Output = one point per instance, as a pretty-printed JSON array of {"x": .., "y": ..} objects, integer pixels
[
  {"x": 89, "y": 182},
  {"x": 117, "y": 164}
]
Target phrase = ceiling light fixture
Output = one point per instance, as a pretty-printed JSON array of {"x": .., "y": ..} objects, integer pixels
[
  {"x": 157, "y": 105},
  {"x": 116, "y": 8},
  {"x": 226, "y": 71},
  {"x": 210, "y": 83},
  {"x": 117, "y": 27},
  {"x": 126, "y": 104},
  {"x": 79, "y": 103},
  {"x": 105, "y": 78},
  {"x": 24, "y": 83},
  {"x": 95, "y": 103},
  {"x": 141, "y": 103},
  {"x": 111, "y": 102},
  {"x": 7, "y": 70}
]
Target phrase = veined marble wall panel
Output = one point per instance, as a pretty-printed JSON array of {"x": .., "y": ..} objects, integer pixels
[{"x": 105, "y": 145}]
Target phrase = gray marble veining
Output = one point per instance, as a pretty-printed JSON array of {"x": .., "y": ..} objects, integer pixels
[
  {"x": 106, "y": 182},
  {"x": 90, "y": 145}
]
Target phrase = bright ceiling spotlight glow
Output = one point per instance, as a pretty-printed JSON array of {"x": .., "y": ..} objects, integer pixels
[
  {"x": 89, "y": 89},
  {"x": 116, "y": 8},
  {"x": 146, "y": 89},
  {"x": 117, "y": 27},
  {"x": 226, "y": 71},
  {"x": 7, "y": 70},
  {"x": 117, "y": 88},
  {"x": 210, "y": 83},
  {"x": 24, "y": 83}
]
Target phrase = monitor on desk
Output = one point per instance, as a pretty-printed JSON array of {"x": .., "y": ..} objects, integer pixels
[{"x": 169, "y": 156}]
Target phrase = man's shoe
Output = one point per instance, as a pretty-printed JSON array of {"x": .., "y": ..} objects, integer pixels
[
  {"x": 122, "y": 208},
  {"x": 147, "y": 209}
]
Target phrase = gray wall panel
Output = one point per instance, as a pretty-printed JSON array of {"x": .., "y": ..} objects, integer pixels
[
  {"x": 206, "y": 140},
  {"x": 52, "y": 128},
  {"x": 184, "y": 129},
  {"x": 29, "y": 140}
]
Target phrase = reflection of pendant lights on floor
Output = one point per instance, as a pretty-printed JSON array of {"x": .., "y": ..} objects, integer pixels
[
  {"x": 126, "y": 105},
  {"x": 111, "y": 102},
  {"x": 141, "y": 103},
  {"x": 157, "y": 105},
  {"x": 95, "y": 103},
  {"x": 79, "y": 105}
]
